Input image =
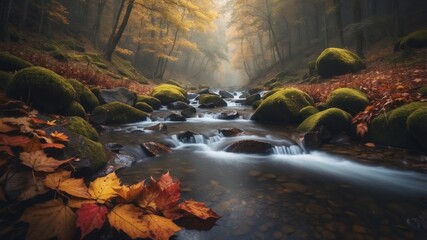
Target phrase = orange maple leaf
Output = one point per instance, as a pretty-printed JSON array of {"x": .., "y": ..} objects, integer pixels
[
  {"x": 40, "y": 162},
  {"x": 198, "y": 209},
  {"x": 59, "y": 136},
  {"x": 362, "y": 129}
]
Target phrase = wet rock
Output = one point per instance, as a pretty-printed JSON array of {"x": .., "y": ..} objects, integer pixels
[
  {"x": 255, "y": 90},
  {"x": 168, "y": 93},
  {"x": 191, "y": 96},
  {"x": 122, "y": 160},
  {"x": 157, "y": 127},
  {"x": 312, "y": 140},
  {"x": 122, "y": 95},
  {"x": 252, "y": 98},
  {"x": 178, "y": 105},
  {"x": 296, "y": 187},
  {"x": 113, "y": 147},
  {"x": 229, "y": 115},
  {"x": 225, "y": 94},
  {"x": 250, "y": 147},
  {"x": 175, "y": 118},
  {"x": 189, "y": 112},
  {"x": 212, "y": 100},
  {"x": 210, "y": 105},
  {"x": 154, "y": 148},
  {"x": 203, "y": 91},
  {"x": 190, "y": 137},
  {"x": 231, "y": 132},
  {"x": 117, "y": 113}
]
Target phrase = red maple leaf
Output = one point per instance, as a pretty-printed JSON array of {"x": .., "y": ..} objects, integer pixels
[{"x": 90, "y": 217}]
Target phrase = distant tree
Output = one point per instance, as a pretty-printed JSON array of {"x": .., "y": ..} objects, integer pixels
[
  {"x": 337, "y": 8},
  {"x": 5, "y": 8},
  {"x": 357, "y": 15}
]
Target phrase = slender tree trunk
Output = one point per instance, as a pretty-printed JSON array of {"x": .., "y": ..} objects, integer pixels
[
  {"x": 261, "y": 46},
  {"x": 43, "y": 11},
  {"x": 97, "y": 26},
  {"x": 357, "y": 12},
  {"x": 111, "y": 46},
  {"x": 116, "y": 21},
  {"x": 397, "y": 29},
  {"x": 325, "y": 25},
  {"x": 338, "y": 16}
]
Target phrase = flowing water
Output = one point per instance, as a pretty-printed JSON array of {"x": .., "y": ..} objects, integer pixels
[{"x": 287, "y": 193}]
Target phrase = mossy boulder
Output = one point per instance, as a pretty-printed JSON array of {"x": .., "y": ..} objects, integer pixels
[
  {"x": 308, "y": 111},
  {"x": 80, "y": 126},
  {"x": 152, "y": 101},
  {"x": 42, "y": 89},
  {"x": 350, "y": 100},
  {"x": 117, "y": 113},
  {"x": 11, "y": 63},
  {"x": 91, "y": 154},
  {"x": 390, "y": 128},
  {"x": 422, "y": 91},
  {"x": 417, "y": 126},
  {"x": 334, "y": 119},
  {"x": 416, "y": 39},
  {"x": 337, "y": 61},
  {"x": 120, "y": 94},
  {"x": 5, "y": 78},
  {"x": 84, "y": 95},
  {"x": 174, "y": 82},
  {"x": 211, "y": 100},
  {"x": 74, "y": 109},
  {"x": 143, "y": 107},
  {"x": 283, "y": 106},
  {"x": 168, "y": 93}
]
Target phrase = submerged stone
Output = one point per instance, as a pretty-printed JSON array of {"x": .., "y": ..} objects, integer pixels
[{"x": 250, "y": 147}]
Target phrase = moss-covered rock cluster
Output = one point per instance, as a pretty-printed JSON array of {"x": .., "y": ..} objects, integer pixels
[
  {"x": 404, "y": 126},
  {"x": 84, "y": 96},
  {"x": 117, "y": 113},
  {"x": 350, "y": 100},
  {"x": 11, "y": 63},
  {"x": 5, "y": 78},
  {"x": 81, "y": 126},
  {"x": 417, "y": 39},
  {"x": 337, "y": 61},
  {"x": 283, "y": 106},
  {"x": 211, "y": 100},
  {"x": 334, "y": 119},
  {"x": 152, "y": 101}
]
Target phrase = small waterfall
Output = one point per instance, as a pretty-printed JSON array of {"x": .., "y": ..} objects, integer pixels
[{"x": 288, "y": 150}]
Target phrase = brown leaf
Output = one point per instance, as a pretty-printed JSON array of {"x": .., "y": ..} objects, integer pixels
[
  {"x": 52, "y": 145},
  {"x": 38, "y": 161},
  {"x": 102, "y": 189},
  {"x": 7, "y": 150},
  {"x": 14, "y": 141},
  {"x": 371, "y": 145},
  {"x": 20, "y": 184},
  {"x": 52, "y": 219},
  {"x": 33, "y": 145},
  {"x": 198, "y": 209},
  {"x": 128, "y": 194},
  {"x": 23, "y": 123},
  {"x": 78, "y": 202},
  {"x": 61, "y": 181}
]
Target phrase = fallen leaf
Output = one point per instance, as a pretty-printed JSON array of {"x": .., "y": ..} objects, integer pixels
[
  {"x": 14, "y": 141},
  {"x": 23, "y": 123},
  {"x": 39, "y": 161},
  {"x": 7, "y": 150},
  {"x": 102, "y": 189},
  {"x": 371, "y": 145},
  {"x": 133, "y": 222},
  {"x": 52, "y": 145},
  {"x": 361, "y": 129},
  {"x": 78, "y": 202},
  {"x": 61, "y": 181},
  {"x": 4, "y": 127},
  {"x": 52, "y": 219},
  {"x": 59, "y": 136},
  {"x": 33, "y": 145},
  {"x": 128, "y": 194},
  {"x": 51, "y": 123},
  {"x": 198, "y": 209},
  {"x": 90, "y": 217},
  {"x": 20, "y": 184},
  {"x": 35, "y": 120}
]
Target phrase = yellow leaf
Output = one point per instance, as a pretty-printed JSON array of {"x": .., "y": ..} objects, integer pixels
[
  {"x": 160, "y": 227},
  {"x": 61, "y": 181},
  {"x": 40, "y": 162},
  {"x": 51, "y": 123},
  {"x": 59, "y": 136},
  {"x": 128, "y": 194},
  {"x": 127, "y": 219},
  {"x": 102, "y": 188},
  {"x": 52, "y": 219}
]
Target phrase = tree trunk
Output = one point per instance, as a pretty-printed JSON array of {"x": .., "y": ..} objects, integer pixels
[
  {"x": 43, "y": 12},
  {"x": 4, "y": 17},
  {"x": 111, "y": 46},
  {"x": 116, "y": 21},
  {"x": 397, "y": 29},
  {"x": 97, "y": 26},
  {"x": 337, "y": 5},
  {"x": 325, "y": 25},
  {"x": 357, "y": 13}
]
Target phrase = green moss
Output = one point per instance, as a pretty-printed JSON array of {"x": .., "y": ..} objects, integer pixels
[
  {"x": 306, "y": 112},
  {"x": 94, "y": 151},
  {"x": 283, "y": 106},
  {"x": 59, "y": 55},
  {"x": 168, "y": 93},
  {"x": 5, "y": 78},
  {"x": 269, "y": 82},
  {"x": 350, "y": 100},
  {"x": 312, "y": 68},
  {"x": 152, "y": 101},
  {"x": 337, "y": 61},
  {"x": 256, "y": 104},
  {"x": 80, "y": 126},
  {"x": 117, "y": 113},
  {"x": 334, "y": 119},
  {"x": 417, "y": 126},
  {"x": 275, "y": 85},
  {"x": 174, "y": 82},
  {"x": 210, "y": 99},
  {"x": 144, "y": 107},
  {"x": 423, "y": 91},
  {"x": 390, "y": 128},
  {"x": 84, "y": 95},
  {"x": 74, "y": 109},
  {"x": 10, "y": 63},
  {"x": 416, "y": 39},
  {"x": 42, "y": 89}
]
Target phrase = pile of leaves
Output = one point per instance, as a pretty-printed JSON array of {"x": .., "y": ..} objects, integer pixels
[
  {"x": 387, "y": 87},
  {"x": 80, "y": 71},
  {"x": 56, "y": 205}
]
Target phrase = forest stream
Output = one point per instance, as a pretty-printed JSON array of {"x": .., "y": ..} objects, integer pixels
[{"x": 289, "y": 193}]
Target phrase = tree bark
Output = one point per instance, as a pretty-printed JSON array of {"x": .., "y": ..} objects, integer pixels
[
  {"x": 97, "y": 26},
  {"x": 338, "y": 16},
  {"x": 111, "y": 46},
  {"x": 357, "y": 12},
  {"x": 325, "y": 25},
  {"x": 116, "y": 21}
]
